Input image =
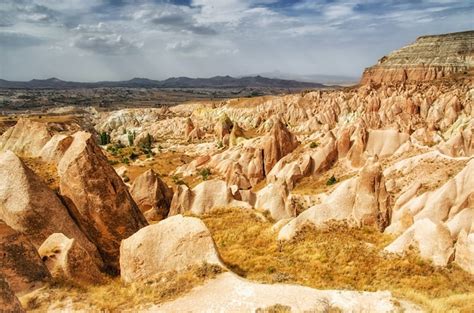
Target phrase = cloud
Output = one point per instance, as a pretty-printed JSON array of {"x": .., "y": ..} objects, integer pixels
[
  {"x": 12, "y": 40},
  {"x": 111, "y": 44},
  {"x": 160, "y": 38}
]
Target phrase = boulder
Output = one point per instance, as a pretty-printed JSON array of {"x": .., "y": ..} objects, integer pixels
[
  {"x": 25, "y": 138},
  {"x": 8, "y": 301},
  {"x": 97, "y": 198},
  {"x": 173, "y": 244},
  {"x": 152, "y": 194},
  {"x": 66, "y": 258},
  {"x": 208, "y": 195},
  {"x": 432, "y": 239},
  {"x": 20, "y": 263},
  {"x": 30, "y": 207}
]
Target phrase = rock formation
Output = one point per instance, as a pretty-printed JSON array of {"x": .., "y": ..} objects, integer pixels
[
  {"x": 170, "y": 245},
  {"x": 228, "y": 292},
  {"x": 208, "y": 195},
  {"x": 152, "y": 195},
  {"x": 428, "y": 58},
  {"x": 20, "y": 263},
  {"x": 26, "y": 137},
  {"x": 361, "y": 200},
  {"x": 30, "y": 207},
  {"x": 67, "y": 259},
  {"x": 97, "y": 198}
]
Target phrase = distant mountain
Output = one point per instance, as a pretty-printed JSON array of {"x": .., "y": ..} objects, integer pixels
[
  {"x": 174, "y": 82},
  {"x": 313, "y": 78}
]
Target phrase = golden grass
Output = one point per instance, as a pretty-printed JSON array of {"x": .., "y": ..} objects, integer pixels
[
  {"x": 116, "y": 296},
  {"x": 336, "y": 258}
]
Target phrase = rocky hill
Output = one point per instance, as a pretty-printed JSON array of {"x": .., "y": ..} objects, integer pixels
[{"x": 428, "y": 58}]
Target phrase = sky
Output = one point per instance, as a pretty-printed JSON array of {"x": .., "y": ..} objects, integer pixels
[{"x": 93, "y": 40}]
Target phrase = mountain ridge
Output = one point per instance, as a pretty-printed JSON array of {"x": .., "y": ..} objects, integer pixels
[{"x": 172, "y": 82}]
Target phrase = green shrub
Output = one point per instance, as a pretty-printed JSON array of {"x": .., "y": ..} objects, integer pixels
[
  {"x": 313, "y": 145},
  {"x": 331, "y": 181},
  {"x": 205, "y": 173}
]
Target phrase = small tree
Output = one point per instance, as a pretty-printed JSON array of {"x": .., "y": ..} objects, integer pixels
[
  {"x": 131, "y": 138},
  {"x": 104, "y": 138}
]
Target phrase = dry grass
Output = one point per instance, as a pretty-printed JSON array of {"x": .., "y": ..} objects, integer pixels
[
  {"x": 336, "y": 258},
  {"x": 115, "y": 296}
]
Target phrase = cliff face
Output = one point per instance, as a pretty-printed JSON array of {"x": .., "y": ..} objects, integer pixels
[{"x": 428, "y": 58}]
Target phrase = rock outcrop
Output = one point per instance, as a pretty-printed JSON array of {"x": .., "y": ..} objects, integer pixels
[
  {"x": 432, "y": 240},
  {"x": 20, "y": 263},
  {"x": 25, "y": 138},
  {"x": 428, "y": 58},
  {"x": 152, "y": 195},
  {"x": 208, "y": 195},
  {"x": 67, "y": 259},
  {"x": 30, "y": 207},
  {"x": 170, "y": 245},
  {"x": 97, "y": 198},
  {"x": 361, "y": 200},
  {"x": 230, "y": 293}
]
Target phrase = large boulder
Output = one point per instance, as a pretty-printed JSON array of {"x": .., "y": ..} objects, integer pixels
[
  {"x": 30, "y": 207},
  {"x": 432, "y": 240},
  {"x": 26, "y": 137},
  {"x": 170, "y": 245},
  {"x": 20, "y": 263},
  {"x": 152, "y": 195},
  {"x": 8, "y": 301},
  {"x": 208, "y": 195},
  {"x": 97, "y": 198},
  {"x": 67, "y": 259}
]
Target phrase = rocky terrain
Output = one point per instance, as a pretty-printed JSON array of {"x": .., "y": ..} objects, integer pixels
[
  {"x": 351, "y": 200},
  {"x": 428, "y": 58}
]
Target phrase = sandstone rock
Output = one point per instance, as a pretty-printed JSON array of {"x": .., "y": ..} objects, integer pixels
[
  {"x": 97, "y": 198},
  {"x": 433, "y": 241},
  {"x": 384, "y": 142},
  {"x": 360, "y": 200},
  {"x": 273, "y": 198},
  {"x": 25, "y": 138},
  {"x": 428, "y": 58},
  {"x": 279, "y": 143},
  {"x": 151, "y": 193},
  {"x": 464, "y": 256},
  {"x": 55, "y": 148},
  {"x": 30, "y": 207},
  {"x": 371, "y": 204},
  {"x": 223, "y": 127},
  {"x": 230, "y": 293},
  {"x": 170, "y": 245},
  {"x": 8, "y": 301},
  {"x": 66, "y": 258},
  {"x": 208, "y": 195},
  {"x": 20, "y": 263}
]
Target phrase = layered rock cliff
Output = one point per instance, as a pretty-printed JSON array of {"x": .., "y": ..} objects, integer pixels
[{"x": 428, "y": 58}]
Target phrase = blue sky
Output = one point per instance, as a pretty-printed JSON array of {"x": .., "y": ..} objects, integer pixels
[{"x": 90, "y": 40}]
